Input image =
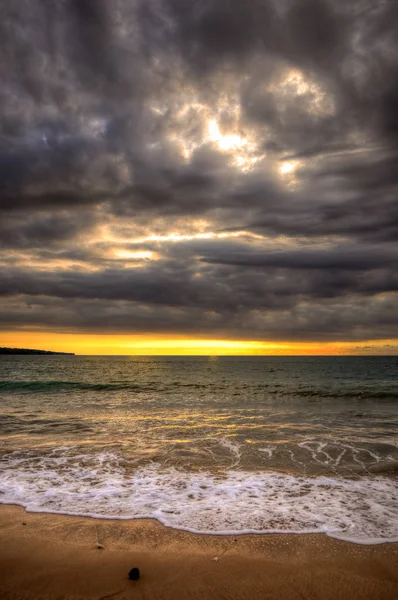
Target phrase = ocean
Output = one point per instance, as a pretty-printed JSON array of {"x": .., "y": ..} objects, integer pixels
[{"x": 207, "y": 444}]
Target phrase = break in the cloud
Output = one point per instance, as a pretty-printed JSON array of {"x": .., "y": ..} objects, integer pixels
[{"x": 208, "y": 168}]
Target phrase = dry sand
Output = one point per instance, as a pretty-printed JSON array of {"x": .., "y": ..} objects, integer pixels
[{"x": 54, "y": 557}]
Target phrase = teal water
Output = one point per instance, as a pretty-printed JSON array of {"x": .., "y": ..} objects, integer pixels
[{"x": 210, "y": 444}]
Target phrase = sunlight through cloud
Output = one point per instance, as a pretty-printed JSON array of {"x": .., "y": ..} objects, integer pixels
[{"x": 288, "y": 167}]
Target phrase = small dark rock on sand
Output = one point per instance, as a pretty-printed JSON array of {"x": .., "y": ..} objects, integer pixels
[{"x": 134, "y": 574}]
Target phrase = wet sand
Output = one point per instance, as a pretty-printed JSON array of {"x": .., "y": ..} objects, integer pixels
[{"x": 54, "y": 557}]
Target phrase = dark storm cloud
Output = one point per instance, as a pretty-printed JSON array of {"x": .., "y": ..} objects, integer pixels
[
  {"x": 352, "y": 319},
  {"x": 342, "y": 259},
  {"x": 105, "y": 111},
  {"x": 39, "y": 230},
  {"x": 216, "y": 284}
]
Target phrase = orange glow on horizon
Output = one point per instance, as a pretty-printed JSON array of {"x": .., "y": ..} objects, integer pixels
[{"x": 150, "y": 344}]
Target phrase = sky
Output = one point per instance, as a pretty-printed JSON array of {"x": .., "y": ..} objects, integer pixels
[{"x": 211, "y": 176}]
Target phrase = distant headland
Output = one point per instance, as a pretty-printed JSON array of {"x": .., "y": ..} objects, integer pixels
[{"x": 26, "y": 351}]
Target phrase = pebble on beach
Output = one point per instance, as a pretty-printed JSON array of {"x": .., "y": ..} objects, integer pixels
[{"x": 134, "y": 574}]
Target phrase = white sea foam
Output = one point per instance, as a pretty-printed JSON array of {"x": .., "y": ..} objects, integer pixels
[
  {"x": 363, "y": 510},
  {"x": 268, "y": 451},
  {"x": 234, "y": 447}
]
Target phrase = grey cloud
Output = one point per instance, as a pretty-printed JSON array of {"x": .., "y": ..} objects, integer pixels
[
  {"x": 105, "y": 109},
  {"x": 342, "y": 259},
  {"x": 286, "y": 278},
  {"x": 35, "y": 230},
  {"x": 333, "y": 320}
]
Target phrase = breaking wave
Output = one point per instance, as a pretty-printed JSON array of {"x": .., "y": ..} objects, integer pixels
[{"x": 99, "y": 485}]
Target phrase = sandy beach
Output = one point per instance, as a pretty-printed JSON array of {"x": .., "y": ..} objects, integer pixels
[{"x": 52, "y": 556}]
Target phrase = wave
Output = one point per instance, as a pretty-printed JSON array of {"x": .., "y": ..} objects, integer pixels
[
  {"x": 68, "y": 386},
  {"x": 358, "y": 394},
  {"x": 384, "y": 466},
  {"x": 73, "y": 386},
  {"x": 81, "y": 386},
  {"x": 362, "y": 510}
]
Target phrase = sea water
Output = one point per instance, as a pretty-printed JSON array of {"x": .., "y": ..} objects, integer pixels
[{"x": 207, "y": 444}]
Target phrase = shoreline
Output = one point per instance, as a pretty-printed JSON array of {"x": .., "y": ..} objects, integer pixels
[
  {"x": 221, "y": 534},
  {"x": 45, "y": 555}
]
